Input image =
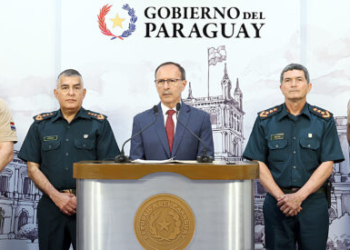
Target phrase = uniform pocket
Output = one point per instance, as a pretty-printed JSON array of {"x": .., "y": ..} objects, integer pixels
[
  {"x": 50, "y": 145},
  {"x": 51, "y": 152},
  {"x": 309, "y": 148},
  {"x": 84, "y": 144},
  {"x": 278, "y": 150},
  {"x": 309, "y": 143}
]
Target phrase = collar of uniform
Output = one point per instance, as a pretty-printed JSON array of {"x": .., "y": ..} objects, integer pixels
[
  {"x": 305, "y": 111},
  {"x": 283, "y": 112},
  {"x": 81, "y": 113},
  {"x": 57, "y": 116}
]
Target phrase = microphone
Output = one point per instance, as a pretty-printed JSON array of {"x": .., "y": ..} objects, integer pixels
[
  {"x": 122, "y": 158},
  {"x": 204, "y": 157}
]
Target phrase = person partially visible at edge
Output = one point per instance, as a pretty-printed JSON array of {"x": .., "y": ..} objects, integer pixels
[
  {"x": 54, "y": 142},
  {"x": 348, "y": 125},
  {"x": 296, "y": 145},
  {"x": 8, "y": 135},
  {"x": 167, "y": 138}
]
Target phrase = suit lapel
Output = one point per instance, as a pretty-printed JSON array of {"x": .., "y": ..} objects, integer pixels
[
  {"x": 184, "y": 115},
  {"x": 160, "y": 128}
]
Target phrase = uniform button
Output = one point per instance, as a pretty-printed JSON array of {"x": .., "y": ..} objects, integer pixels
[
  {"x": 294, "y": 152},
  {"x": 294, "y": 180},
  {"x": 66, "y": 168},
  {"x": 49, "y": 146},
  {"x": 67, "y": 154},
  {"x": 309, "y": 145},
  {"x": 67, "y": 139},
  {"x": 294, "y": 138},
  {"x": 68, "y": 126},
  {"x": 294, "y": 167},
  {"x": 84, "y": 145}
]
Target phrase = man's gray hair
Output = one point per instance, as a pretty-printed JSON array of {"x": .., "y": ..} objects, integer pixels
[
  {"x": 296, "y": 66},
  {"x": 68, "y": 73}
]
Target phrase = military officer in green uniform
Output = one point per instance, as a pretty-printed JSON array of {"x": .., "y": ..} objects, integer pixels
[
  {"x": 54, "y": 142},
  {"x": 296, "y": 145}
]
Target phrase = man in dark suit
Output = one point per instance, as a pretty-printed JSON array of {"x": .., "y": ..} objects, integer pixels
[{"x": 167, "y": 138}]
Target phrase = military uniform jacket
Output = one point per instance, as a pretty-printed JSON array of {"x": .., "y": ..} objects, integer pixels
[
  {"x": 294, "y": 146},
  {"x": 56, "y": 144}
]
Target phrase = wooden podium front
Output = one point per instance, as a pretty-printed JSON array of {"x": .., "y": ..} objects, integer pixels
[{"x": 165, "y": 206}]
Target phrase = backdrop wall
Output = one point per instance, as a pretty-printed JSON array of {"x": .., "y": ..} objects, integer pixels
[{"x": 249, "y": 40}]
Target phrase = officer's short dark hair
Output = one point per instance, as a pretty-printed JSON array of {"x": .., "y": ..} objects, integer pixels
[
  {"x": 182, "y": 70},
  {"x": 68, "y": 73},
  {"x": 296, "y": 66}
]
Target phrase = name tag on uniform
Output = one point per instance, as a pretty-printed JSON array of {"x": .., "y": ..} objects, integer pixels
[
  {"x": 51, "y": 138},
  {"x": 279, "y": 136}
]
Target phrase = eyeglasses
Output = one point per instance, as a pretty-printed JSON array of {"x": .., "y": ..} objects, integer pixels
[{"x": 171, "y": 82}]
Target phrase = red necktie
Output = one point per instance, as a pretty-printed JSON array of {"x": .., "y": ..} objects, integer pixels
[{"x": 169, "y": 127}]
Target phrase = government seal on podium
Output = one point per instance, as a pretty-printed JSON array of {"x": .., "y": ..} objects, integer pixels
[{"x": 164, "y": 221}]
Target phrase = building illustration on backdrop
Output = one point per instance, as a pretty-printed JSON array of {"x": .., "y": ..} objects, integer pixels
[
  {"x": 226, "y": 111},
  {"x": 19, "y": 199}
]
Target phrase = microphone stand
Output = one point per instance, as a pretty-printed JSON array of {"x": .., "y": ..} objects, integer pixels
[
  {"x": 204, "y": 158},
  {"x": 122, "y": 158}
]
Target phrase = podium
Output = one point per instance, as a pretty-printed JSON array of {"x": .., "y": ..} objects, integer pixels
[{"x": 165, "y": 206}]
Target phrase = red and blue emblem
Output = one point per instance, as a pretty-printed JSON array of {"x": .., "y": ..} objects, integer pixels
[
  {"x": 117, "y": 22},
  {"x": 13, "y": 127}
]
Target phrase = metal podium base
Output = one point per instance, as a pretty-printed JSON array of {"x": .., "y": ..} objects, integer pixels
[{"x": 223, "y": 211}]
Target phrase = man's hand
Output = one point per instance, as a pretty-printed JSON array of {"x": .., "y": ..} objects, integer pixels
[
  {"x": 67, "y": 203},
  {"x": 290, "y": 204}
]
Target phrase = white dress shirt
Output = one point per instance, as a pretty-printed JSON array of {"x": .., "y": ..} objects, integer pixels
[{"x": 165, "y": 115}]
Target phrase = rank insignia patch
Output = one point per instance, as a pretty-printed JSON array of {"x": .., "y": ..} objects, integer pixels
[
  {"x": 97, "y": 116},
  {"x": 43, "y": 116},
  {"x": 266, "y": 113},
  {"x": 321, "y": 112}
]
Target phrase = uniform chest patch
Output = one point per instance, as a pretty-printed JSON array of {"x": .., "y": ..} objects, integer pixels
[
  {"x": 51, "y": 138},
  {"x": 13, "y": 127},
  {"x": 279, "y": 136}
]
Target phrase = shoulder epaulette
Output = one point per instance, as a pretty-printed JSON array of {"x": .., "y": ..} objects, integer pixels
[
  {"x": 44, "y": 116},
  {"x": 97, "y": 116},
  {"x": 270, "y": 112},
  {"x": 320, "y": 112}
]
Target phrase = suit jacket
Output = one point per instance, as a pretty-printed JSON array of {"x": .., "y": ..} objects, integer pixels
[{"x": 152, "y": 144}]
